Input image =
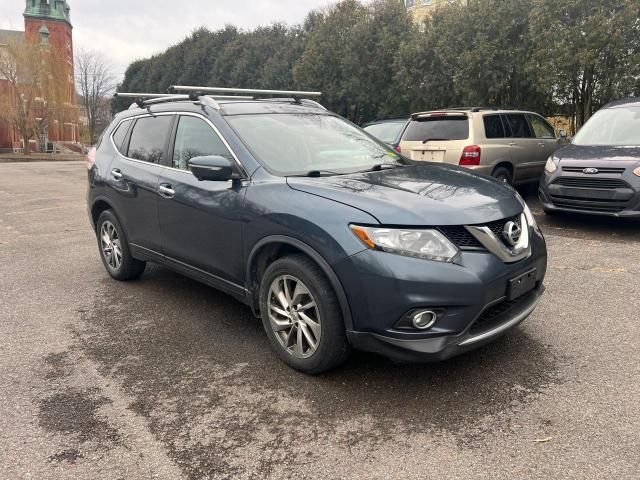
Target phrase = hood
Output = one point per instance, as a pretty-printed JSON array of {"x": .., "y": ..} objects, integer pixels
[
  {"x": 579, "y": 154},
  {"x": 425, "y": 195}
]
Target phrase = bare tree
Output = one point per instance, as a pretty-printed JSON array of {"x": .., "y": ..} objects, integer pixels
[
  {"x": 96, "y": 84},
  {"x": 38, "y": 92}
]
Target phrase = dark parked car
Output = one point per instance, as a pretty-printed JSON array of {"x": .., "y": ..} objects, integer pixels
[
  {"x": 599, "y": 173},
  {"x": 331, "y": 237},
  {"x": 389, "y": 131}
]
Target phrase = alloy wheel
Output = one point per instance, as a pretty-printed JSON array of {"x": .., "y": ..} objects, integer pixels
[
  {"x": 294, "y": 316},
  {"x": 110, "y": 245}
]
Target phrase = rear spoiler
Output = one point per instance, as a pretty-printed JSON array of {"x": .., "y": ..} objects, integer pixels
[{"x": 418, "y": 116}]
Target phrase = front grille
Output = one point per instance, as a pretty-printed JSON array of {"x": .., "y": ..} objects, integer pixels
[
  {"x": 588, "y": 207},
  {"x": 606, "y": 170},
  {"x": 591, "y": 182},
  {"x": 461, "y": 237},
  {"x": 501, "y": 313}
]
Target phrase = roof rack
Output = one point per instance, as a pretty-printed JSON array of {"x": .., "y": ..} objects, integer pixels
[
  {"x": 144, "y": 99},
  {"x": 245, "y": 91},
  {"x": 473, "y": 109},
  {"x": 208, "y": 95}
]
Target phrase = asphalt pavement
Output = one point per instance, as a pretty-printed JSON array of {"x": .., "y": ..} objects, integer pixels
[{"x": 166, "y": 378}]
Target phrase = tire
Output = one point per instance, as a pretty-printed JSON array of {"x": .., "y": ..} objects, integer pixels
[
  {"x": 298, "y": 328},
  {"x": 119, "y": 264},
  {"x": 503, "y": 174}
]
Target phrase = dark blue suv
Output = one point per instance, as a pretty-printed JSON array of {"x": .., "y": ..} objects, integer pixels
[{"x": 331, "y": 237}]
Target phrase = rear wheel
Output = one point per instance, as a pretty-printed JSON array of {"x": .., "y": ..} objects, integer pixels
[
  {"x": 114, "y": 249},
  {"x": 301, "y": 315},
  {"x": 504, "y": 175}
]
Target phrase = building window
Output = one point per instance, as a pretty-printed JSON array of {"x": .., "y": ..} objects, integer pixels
[{"x": 410, "y": 3}]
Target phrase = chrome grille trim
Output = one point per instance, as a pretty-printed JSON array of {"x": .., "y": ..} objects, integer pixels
[{"x": 496, "y": 246}]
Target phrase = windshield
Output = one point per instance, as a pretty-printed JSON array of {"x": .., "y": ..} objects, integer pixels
[
  {"x": 611, "y": 127},
  {"x": 388, "y": 132},
  {"x": 437, "y": 128},
  {"x": 289, "y": 144}
]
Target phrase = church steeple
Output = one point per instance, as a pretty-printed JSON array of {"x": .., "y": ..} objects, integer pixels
[{"x": 49, "y": 10}]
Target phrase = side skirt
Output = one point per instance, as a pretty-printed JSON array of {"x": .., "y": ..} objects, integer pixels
[{"x": 237, "y": 291}]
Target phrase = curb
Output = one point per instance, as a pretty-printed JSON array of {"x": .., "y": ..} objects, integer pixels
[{"x": 40, "y": 160}]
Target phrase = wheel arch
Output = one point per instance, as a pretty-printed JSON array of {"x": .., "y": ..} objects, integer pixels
[
  {"x": 277, "y": 246},
  {"x": 505, "y": 164},
  {"x": 98, "y": 206}
]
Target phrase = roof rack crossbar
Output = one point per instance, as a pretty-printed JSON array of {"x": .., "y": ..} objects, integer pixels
[
  {"x": 247, "y": 91},
  {"x": 153, "y": 96},
  {"x": 145, "y": 99}
]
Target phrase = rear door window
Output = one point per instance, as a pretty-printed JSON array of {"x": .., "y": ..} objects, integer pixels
[
  {"x": 437, "y": 128},
  {"x": 149, "y": 138},
  {"x": 120, "y": 134},
  {"x": 493, "y": 127},
  {"x": 519, "y": 125},
  {"x": 541, "y": 127}
]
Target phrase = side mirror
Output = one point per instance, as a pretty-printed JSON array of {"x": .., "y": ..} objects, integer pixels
[
  {"x": 563, "y": 134},
  {"x": 214, "y": 168}
]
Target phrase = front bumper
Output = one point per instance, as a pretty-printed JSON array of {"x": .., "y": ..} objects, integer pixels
[
  {"x": 443, "y": 348},
  {"x": 613, "y": 202},
  {"x": 382, "y": 288}
]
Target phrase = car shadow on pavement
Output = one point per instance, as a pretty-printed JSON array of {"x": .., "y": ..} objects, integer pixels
[
  {"x": 197, "y": 321},
  {"x": 198, "y": 365}
]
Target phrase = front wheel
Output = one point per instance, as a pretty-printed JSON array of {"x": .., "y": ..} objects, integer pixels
[{"x": 301, "y": 315}]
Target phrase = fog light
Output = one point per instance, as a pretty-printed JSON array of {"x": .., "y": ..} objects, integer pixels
[
  {"x": 637, "y": 172},
  {"x": 424, "y": 320}
]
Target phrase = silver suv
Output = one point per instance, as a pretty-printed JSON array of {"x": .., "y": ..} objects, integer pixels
[{"x": 507, "y": 144}]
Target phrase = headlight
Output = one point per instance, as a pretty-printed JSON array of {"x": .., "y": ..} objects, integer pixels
[
  {"x": 552, "y": 165},
  {"x": 531, "y": 220},
  {"x": 427, "y": 244}
]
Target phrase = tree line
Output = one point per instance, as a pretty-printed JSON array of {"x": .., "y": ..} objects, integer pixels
[{"x": 371, "y": 60}]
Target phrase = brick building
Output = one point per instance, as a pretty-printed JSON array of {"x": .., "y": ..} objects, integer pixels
[{"x": 48, "y": 23}]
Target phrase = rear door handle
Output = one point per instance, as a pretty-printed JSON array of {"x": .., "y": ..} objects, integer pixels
[
  {"x": 166, "y": 191},
  {"x": 513, "y": 144},
  {"x": 541, "y": 144},
  {"x": 116, "y": 173}
]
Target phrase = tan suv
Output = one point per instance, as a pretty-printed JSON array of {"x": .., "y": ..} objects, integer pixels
[{"x": 510, "y": 145}]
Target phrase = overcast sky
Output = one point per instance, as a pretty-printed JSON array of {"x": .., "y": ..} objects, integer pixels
[{"x": 126, "y": 30}]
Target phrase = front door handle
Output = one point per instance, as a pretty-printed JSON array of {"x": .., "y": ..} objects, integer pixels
[
  {"x": 541, "y": 144},
  {"x": 166, "y": 191},
  {"x": 513, "y": 144},
  {"x": 116, "y": 173}
]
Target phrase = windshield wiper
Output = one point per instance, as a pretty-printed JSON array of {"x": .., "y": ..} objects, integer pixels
[
  {"x": 376, "y": 168},
  {"x": 318, "y": 173},
  {"x": 382, "y": 166},
  {"x": 434, "y": 140}
]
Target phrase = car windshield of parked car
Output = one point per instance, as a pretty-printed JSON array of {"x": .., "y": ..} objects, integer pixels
[
  {"x": 296, "y": 144},
  {"x": 611, "y": 127},
  {"x": 386, "y": 131}
]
